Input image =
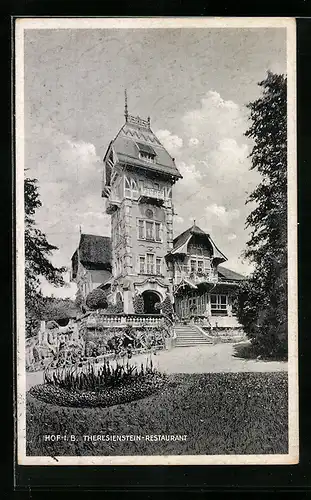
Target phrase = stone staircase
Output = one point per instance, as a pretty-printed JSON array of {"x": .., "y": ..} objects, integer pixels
[{"x": 187, "y": 335}]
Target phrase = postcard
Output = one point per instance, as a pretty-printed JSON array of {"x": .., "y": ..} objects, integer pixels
[{"x": 156, "y": 241}]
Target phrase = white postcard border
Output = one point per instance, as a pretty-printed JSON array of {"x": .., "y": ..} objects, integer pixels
[{"x": 150, "y": 23}]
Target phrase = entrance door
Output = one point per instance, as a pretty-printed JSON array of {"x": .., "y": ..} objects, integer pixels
[{"x": 150, "y": 299}]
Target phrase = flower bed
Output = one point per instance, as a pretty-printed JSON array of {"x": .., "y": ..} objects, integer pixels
[
  {"x": 92, "y": 386},
  {"x": 103, "y": 398}
]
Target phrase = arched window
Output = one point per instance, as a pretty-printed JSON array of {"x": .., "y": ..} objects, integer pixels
[
  {"x": 127, "y": 187},
  {"x": 135, "y": 192}
]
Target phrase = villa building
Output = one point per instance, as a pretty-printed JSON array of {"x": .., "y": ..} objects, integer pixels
[
  {"x": 91, "y": 263},
  {"x": 142, "y": 257}
]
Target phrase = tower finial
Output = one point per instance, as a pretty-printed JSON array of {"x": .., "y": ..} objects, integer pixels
[
  {"x": 125, "y": 105},
  {"x": 194, "y": 222}
]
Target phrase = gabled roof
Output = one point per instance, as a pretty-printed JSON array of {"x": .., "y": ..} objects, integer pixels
[
  {"x": 229, "y": 275},
  {"x": 180, "y": 243},
  {"x": 94, "y": 252},
  {"x": 184, "y": 237},
  {"x": 135, "y": 136}
]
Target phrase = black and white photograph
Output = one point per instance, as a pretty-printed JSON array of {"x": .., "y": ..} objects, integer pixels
[{"x": 156, "y": 241}]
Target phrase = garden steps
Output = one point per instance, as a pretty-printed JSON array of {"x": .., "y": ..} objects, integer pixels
[{"x": 187, "y": 335}]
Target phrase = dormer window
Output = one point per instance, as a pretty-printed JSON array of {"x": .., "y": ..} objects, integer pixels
[{"x": 146, "y": 152}]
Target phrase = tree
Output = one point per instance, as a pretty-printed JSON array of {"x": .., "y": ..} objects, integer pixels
[
  {"x": 262, "y": 307},
  {"x": 37, "y": 263},
  {"x": 59, "y": 309},
  {"x": 79, "y": 300},
  {"x": 97, "y": 299}
]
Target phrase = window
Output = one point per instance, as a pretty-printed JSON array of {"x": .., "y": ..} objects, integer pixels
[
  {"x": 149, "y": 230},
  {"x": 158, "y": 265},
  {"x": 207, "y": 264},
  {"x": 219, "y": 301},
  {"x": 119, "y": 188},
  {"x": 146, "y": 157},
  {"x": 117, "y": 226},
  {"x": 146, "y": 152},
  {"x": 130, "y": 188},
  {"x": 142, "y": 264},
  {"x": 145, "y": 148},
  {"x": 141, "y": 229},
  {"x": 127, "y": 187},
  {"x": 135, "y": 191},
  {"x": 200, "y": 266},
  {"x": 219, "y": 304},
  {"x": 157, "y": 231},
  {"x": 150, "y": 263}
]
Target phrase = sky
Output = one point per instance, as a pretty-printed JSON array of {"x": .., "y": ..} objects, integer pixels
[{"x": 194, "y": 83}]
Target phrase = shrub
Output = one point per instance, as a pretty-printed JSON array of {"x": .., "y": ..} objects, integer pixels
[
  {"x": 138, "y": 304},
  {"x": 36, "y": 354},
  {"x": 97, "y": 299},
  {"x": 167, "y": 306},
  {"x": 117, "y": 308}
]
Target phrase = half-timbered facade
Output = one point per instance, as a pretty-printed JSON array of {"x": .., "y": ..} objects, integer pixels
[{"x": 203, "y": 289}]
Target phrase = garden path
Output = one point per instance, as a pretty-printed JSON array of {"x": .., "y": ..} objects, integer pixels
[{"x": 195, "y": 359}]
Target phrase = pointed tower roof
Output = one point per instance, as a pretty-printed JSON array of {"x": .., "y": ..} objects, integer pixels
[{"x": 136, "y": 139}]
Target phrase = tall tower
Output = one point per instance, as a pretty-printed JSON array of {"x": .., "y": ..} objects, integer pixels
[{"x": 138, "y": 178}]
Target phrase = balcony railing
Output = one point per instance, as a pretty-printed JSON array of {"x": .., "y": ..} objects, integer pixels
[
  {"x": 98, "y": 319},
  {"x": 196, "y": 277},
  {"x": 152, "y": 195}
]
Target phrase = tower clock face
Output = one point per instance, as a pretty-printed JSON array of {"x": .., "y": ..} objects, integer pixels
[{"x": 149, "y": 213}]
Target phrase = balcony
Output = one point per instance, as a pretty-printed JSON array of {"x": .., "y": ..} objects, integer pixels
[
  {"x": 208, "y": 277},
  {"x": 152, "y": 196},
  {"x": 195, "y": 277}
]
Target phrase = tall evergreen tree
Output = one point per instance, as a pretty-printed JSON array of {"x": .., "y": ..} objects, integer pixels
[
  {"x": 263, "y": 298},
  {"x": 37, "y": 263}
]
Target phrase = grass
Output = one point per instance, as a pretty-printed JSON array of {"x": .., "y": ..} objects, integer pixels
[
  {"x": 245, "y": 350},
  {"x": 221, "y": 413}
]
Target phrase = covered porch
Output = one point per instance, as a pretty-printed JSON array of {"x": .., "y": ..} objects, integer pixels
[{"x": 212, "y": 305}]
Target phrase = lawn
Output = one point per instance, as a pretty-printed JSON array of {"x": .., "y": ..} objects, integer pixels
[{"x": 220, "y": 413}]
